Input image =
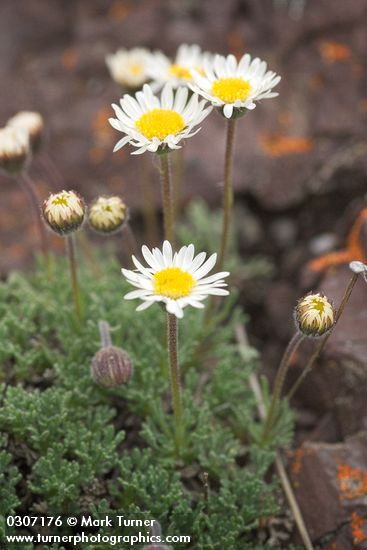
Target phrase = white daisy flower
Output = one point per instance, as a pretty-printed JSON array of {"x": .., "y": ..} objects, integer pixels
[
  {"x": 129, "y": 67},
  {"x": 151, "y": 123},
  {"x": 14, "y": 149},
  {"x": 176, "y": 279},
  {"x": 179, "y": 71},
  {"x": 235, "y": 85}
]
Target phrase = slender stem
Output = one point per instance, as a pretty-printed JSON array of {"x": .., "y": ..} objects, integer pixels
[
  {"x": 293, "y": 504},
  {"x": 150, "y": 218},
  {"x": 167, "y": 197},
  {"x": 29, "y": 188},
  {"x": 177, "y": 181},
  {"x": 227, "y": 191},
  {"x": 287, "y": 487},
  {"x": 323, "y": 342},
  {"x": 172, "y": 345},
  {"x": 70, "y": 245},
  {"x": 279, "y": 383},
  {"x": 104, "y": 332}
]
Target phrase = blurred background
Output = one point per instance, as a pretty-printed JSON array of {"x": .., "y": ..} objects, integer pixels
[{"x": 300, "y": 174}]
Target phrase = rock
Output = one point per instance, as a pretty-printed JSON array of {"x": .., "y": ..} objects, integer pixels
[
  {"x": 322, "y": 244},
  {"x": 330, "y": 484}
]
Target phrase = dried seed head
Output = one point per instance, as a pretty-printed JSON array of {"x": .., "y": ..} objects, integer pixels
[
  {"x": 14, "y": 149},
  {"x": 314, "y": 315},
  {"x": 64, "y": 212},
  {"x": 32, "y": 123},
  {"x": 111, "y": 366},
  {"x": 107, "y": 214}
]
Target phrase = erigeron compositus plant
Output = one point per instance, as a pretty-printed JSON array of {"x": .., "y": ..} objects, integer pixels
[
  {"x": 32, "y": 123},
  {"x": 314, "y": 317},
  {"x": 129, "y": 68},
  {"x": 233, "y": 87},
  {"x": 15, "y": 156},
  {"x": 111, "y": 366},
  {"x": 177, "y": 71},
  {"x": 109, "y": 215},
  {"x": 159, "y": 125},
  {"x": 64, "y": 213},
  {"x": 177, "y": 279},
  {"x": 358, "y": 268}
]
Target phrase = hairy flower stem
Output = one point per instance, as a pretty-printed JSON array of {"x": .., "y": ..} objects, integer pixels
[
  {"x": 172, "y": 343},
  {"x": 316, "y": 354},
  {"x": 104, "y": 332},
  {"x": 227, "y": 191},
  {"x": 30, "y": 190},
  {"x": 149, "y": 213},
  {"x": 167, "y": 197},
  {"x": 177, "y": 180},
  {"x": 272, "y": 412},
  {"x": 70, "y": 246}
]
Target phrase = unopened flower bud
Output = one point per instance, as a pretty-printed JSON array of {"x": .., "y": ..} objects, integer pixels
[
  {"x": 14, "y": 149},
  {"x": 359, "y": 268},
  {"x": 314, "y": 315},
  {"x": 64, "y": 212},
  {"x": 32, "y": 123},
  {"x": 111, "y": 366},
  {"x": 107, "y": 214}
]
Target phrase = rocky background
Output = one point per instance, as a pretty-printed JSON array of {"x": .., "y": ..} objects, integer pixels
[{"x": 300, "y": 177}]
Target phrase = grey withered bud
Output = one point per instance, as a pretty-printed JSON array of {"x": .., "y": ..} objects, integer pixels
[{"x": 111, "y": 366}]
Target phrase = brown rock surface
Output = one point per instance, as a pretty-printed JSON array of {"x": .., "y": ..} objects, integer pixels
[
  {"x": 53, "y": 61},
  {"x": 330, "y": 483}
]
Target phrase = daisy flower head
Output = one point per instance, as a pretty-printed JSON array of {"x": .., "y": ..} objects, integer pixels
[
  {"x": 314, "y": 314},
  {"x": 178, "y": 71},
  {"x": 32, "y": 123},
  {"x": 154, "y": 123},
  {"x": 129, "y": 67},
  {"x": 235, "y": 86},
  {"x": 108, "y": 214},
  {"x": 178, "y": 279},
  {"x": 64, "y": 212},
  {"x": 14, "y": 149}
]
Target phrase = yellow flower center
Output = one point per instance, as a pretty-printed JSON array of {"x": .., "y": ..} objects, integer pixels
[
  {"x": 231, "y": 89},
  {"x": 136, "y": 69},
  {"x": 179, "y": 72},
  {"x": 160, "y": 123},
  {"x": 173, "y": 282},
  {"x": 61, "y": 199},
  {"x": 319, "y": 305}
]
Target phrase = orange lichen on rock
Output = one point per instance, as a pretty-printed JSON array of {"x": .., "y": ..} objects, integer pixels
[
  {"x": 296, "y": 459},
  {"x": 70, "y": 58},
  {"x": 278, "y": 145},
  {"x": 334, "y": 51},
  {"x": 358, "y": 524},
  {"x": 352, "y": 482},
  {"x": 236, "y": 43},
  {"x": 119, "y": 10},
  {"x": 102, "y": 134},
  {"x": 353, "y": 251}
]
